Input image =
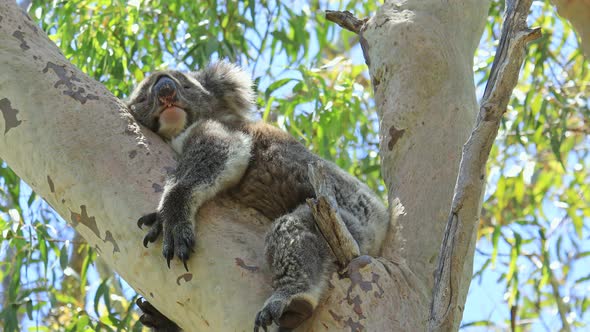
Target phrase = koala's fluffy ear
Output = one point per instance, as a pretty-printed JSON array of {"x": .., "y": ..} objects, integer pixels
[{"x": 231, "y": 86}]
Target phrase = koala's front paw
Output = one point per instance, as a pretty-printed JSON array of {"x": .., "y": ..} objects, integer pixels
[
  {"x": 286, "y": 312},
  {"x": 179, "y": 240},
  {"x": 154, "y": 319},
  {"x": 155, "y": 224}
]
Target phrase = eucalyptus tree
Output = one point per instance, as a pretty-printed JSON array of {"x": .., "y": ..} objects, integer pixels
[{"x": 399, "y": 124}]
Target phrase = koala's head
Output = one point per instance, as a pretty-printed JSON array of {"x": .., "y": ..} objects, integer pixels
[{"x": 169, "y": 101}]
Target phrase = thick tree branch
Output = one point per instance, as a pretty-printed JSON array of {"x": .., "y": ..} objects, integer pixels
[{"x": 453, "y": 268}]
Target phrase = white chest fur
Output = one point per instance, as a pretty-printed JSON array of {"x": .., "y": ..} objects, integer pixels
[{"x": 178, "y": 142}]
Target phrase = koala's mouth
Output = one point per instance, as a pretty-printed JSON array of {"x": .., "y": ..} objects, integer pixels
[
  {"x": 169, "y": 107},
  {"x": 172, "y": 120},
  {"x": 172, "y": 114},
  {"x": 164, "y": 109}
]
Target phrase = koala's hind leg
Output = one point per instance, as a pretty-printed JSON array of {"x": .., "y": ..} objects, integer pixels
[{"x": 300, "y": 260}]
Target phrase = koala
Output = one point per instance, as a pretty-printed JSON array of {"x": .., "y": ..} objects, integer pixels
[{"x": 205, "y": 117}]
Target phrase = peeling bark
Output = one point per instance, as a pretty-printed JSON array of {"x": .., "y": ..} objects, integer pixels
[{"x": 329, "y": 222}]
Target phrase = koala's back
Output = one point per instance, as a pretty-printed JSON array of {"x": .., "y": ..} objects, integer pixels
[
  {"x": 276, "y": 182},
  {"x": 276, "y": 179}
]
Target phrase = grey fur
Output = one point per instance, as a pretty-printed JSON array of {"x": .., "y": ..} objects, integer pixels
[{"x": 223, "y": 152}]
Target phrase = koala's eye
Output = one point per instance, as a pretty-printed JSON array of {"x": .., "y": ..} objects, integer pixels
[
  {"x": 140, "y": 99},
  {"x": 187, "y": 87}
]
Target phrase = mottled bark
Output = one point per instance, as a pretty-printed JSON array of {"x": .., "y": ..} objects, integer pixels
[
  {"x": 420, "y": 56},
  {"x": 77, "y": 146}
]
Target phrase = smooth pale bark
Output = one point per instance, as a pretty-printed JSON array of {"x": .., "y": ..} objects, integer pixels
[
  {"x": 578, "y": 13},
  {"x": 75, "y": 144},
  {"x": 421, "y": 63}
]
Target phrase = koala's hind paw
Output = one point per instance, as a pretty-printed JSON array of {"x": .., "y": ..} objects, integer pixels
[
  {"x": 286, "y": 313},
  {"x": 154, "y": 319},
  {"x": 155, "y": 224},
  {"x": 179, "y": 240}
]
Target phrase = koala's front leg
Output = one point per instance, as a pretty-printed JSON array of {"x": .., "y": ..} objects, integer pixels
[
  {"x": 174, "y": 219},
  {"x": 212, "y": 159},
  {"x": 176, "y": 213}
]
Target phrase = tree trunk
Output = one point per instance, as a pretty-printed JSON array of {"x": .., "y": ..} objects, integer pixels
[
  {"x": 578, "y": 13},
  {"x": 77, "y": 146},
  {"x": 421, "y": 65}
]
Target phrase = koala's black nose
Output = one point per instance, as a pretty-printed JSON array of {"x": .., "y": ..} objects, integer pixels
[{"x": 165, "y": 89}]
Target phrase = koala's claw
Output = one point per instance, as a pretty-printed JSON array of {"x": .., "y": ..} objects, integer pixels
[
  {"x": 152, "y": 318},
  {"x": 257, "y": 328},
  {"x": 148, "y": 219},
  {"x": 180, "y": 242},
  {"x": 271, "y": 312},
  {"x": 179, "y": 238},
  {"x": 168, "y": 259},
  {"x": 287, "y": 313},
  {"x": 168, "y": 254},
  {"x": 155, "y": 230},
  {"x": 152, "y": 235}
]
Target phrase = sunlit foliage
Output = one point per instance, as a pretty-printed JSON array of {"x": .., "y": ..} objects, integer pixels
[{"x": 532, "y": 258}]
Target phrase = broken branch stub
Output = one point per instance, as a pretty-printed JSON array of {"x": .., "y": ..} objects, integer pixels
[
  {"x": 346, "y": 20},
  {"x": 330, "y": 224}
]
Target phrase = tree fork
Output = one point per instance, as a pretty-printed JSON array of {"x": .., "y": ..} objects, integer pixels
[
  {"x": 78, "y": 147},
  {"x": 74, "y": 142}
]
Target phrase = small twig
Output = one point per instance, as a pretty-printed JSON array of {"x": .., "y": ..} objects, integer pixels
[
  {"x": 346, "y": 20},
  {"x": 331, "y": 225},
  {"x": 513, "y": 314},
  {"x": 562, "y": 308}
]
